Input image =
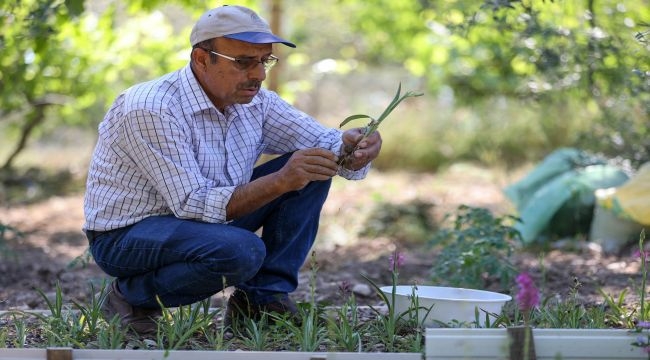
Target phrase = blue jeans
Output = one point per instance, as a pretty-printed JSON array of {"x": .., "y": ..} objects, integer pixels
[{"x": 184, "y": 261}]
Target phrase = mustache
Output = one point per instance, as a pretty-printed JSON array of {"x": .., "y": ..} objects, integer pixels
[{"x": 250, "y": 84}]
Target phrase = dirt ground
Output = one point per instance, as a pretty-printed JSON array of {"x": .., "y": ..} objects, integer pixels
[{"x": 47, "y": 251}]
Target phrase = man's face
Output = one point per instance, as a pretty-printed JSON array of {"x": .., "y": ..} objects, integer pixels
[{"x": 225, "y": 81}]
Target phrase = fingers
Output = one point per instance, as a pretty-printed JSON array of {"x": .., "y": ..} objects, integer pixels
[
  {"x": 319, "y": 167},
  {"x": 351, "y": 139},
  {"x": 317, "y": 160},
  {"x": 317, "y": 153},
  {"x": 309, "y": 165},
  {"x": 368, "y": 147},
  {"x": 348, "y": 148},
  {"x": 366, "y": 151}
]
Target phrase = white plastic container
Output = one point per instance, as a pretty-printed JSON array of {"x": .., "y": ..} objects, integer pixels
[
  {"x": 447, "y": 304},
  {"x": 608, "y": 229}
]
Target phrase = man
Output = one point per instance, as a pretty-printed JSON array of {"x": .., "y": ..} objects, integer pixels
[{"x": 174, "y": 199}]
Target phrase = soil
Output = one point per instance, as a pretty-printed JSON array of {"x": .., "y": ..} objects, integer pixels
[{"x": 42, "y": 246}]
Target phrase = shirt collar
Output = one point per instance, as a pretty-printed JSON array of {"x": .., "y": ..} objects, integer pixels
[{"x": 192, "y": 93}]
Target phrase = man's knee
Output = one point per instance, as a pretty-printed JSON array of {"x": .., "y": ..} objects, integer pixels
[
  {"x": 241, "y": 260},
  {"x": 317, "y": 190}
]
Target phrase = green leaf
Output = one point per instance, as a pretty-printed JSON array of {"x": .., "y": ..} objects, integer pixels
[
  {"x": 393, "y": 103},
  {"x": 374, "y": 124},
  {"x": 354, "y": 117},
  {"x": 75, "y": 7}
]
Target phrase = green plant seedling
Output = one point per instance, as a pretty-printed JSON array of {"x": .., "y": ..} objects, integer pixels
[
  {"x": 21, "y": 333},
  {"x": 4, "y": 334},
  {"x": 91, "y": 313},
  {"x": 344, "y": 326},
  {"x": 373, "y": 125},
  {"x": 310, "y": 333},
  {"x": 181, "y": 325},
  {"x": 62, "y": 327},
  {"x": 477, "y": 243},
  {"x": 256, "y": 335}
]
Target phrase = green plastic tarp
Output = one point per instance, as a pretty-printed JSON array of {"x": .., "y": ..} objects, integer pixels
[{"x": 557, "y": 197}]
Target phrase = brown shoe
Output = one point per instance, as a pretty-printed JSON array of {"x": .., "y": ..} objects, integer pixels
[
  {"x": 239, "y": 308},
  {"x": 140, "y": 320}
]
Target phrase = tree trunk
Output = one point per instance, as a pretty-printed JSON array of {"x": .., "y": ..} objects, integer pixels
[
  {"x": 592, "y": 48},
  {"x": 275, "y": 23},
  {"x": 34, "y": 119}
]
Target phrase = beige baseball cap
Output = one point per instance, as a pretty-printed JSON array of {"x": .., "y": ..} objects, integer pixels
[{"x": 234, "y": 22}]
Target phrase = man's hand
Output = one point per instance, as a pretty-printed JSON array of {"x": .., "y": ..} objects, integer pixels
[
  {"x": 303, "y": 167},
  {"x": 358, "y": 153},
  {"x": 308, "y": 165}
]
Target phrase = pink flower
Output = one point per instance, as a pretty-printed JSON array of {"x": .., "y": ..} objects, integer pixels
[
  {"x": 528, "y": 295},
  {"x": 396, "y": 261},
  {"x": 638, "y": 254},
  {"x": 345, "y": 287}
]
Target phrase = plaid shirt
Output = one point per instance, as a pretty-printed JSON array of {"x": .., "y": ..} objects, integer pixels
[{"x": 164, "y": 148}]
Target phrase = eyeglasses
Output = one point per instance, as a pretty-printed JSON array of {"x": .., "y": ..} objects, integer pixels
[{"x": 248, "y": 63}]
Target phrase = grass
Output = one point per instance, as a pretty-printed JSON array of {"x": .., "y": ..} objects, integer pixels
[
  {"x": 198, "y": 327},
  {"x": 348, "y": 328}
]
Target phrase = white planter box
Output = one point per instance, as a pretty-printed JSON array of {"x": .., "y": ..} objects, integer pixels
[
  {"x": 78, "y": 354},
  {"x": 565, "y": 344}
]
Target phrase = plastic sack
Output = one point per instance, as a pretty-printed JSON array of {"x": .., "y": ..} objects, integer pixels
[
  {"x": 557, "y": 197},
  {"x": 611, "y": 227},
  {"x": 557, "y": 163},
  {"x": 633, "y": 197}
]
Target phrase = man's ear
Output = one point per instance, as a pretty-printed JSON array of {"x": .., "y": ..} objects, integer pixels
[{"x": 200, "y": 59}]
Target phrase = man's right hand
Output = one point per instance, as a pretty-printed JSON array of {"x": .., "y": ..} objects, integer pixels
[
  {"x": 303, "y": 167},
  {"x": 308, "y": 165}
]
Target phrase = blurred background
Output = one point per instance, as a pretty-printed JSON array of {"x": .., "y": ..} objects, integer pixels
[{"x": 505, "y": 82}]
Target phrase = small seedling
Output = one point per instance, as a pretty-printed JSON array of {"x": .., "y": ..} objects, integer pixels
[{"x": 373, "y": 125}]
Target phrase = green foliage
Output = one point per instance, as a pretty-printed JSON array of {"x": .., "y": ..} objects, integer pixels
[
  {"x": 619, "y": 315},
  {"x": 49, "y": 55},
  {"x": 373, "y": 125},
  {"x": 309, "y": 334},
  {"x": 66, "y": 327},
  {"x": 506, "y": 47},
  {"x": 551, "y": 52},
  {"x": 568, "y": 313},
  {"x": 392, "y": 29},
  {"x": 177, "y": 328},
  {"x": 60, "y": 63},
  {"x": 476, "y": 251},
  {"x": 344, "y": 327},
  {"x": 509, "y": 69},
  {"x": 256, "y": 335},
  {"x": 389, "y": 324},
  {"x": 187, "y": 327},
  {"x": 113, "y": 336}
]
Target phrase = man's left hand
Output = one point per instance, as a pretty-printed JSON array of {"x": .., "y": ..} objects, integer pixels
[{"x": 359, "y": 152}]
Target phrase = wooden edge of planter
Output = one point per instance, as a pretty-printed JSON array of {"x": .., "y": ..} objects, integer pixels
[
  {"x": 88, "y": 354},
  {"x": 467, "y": 343}
]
